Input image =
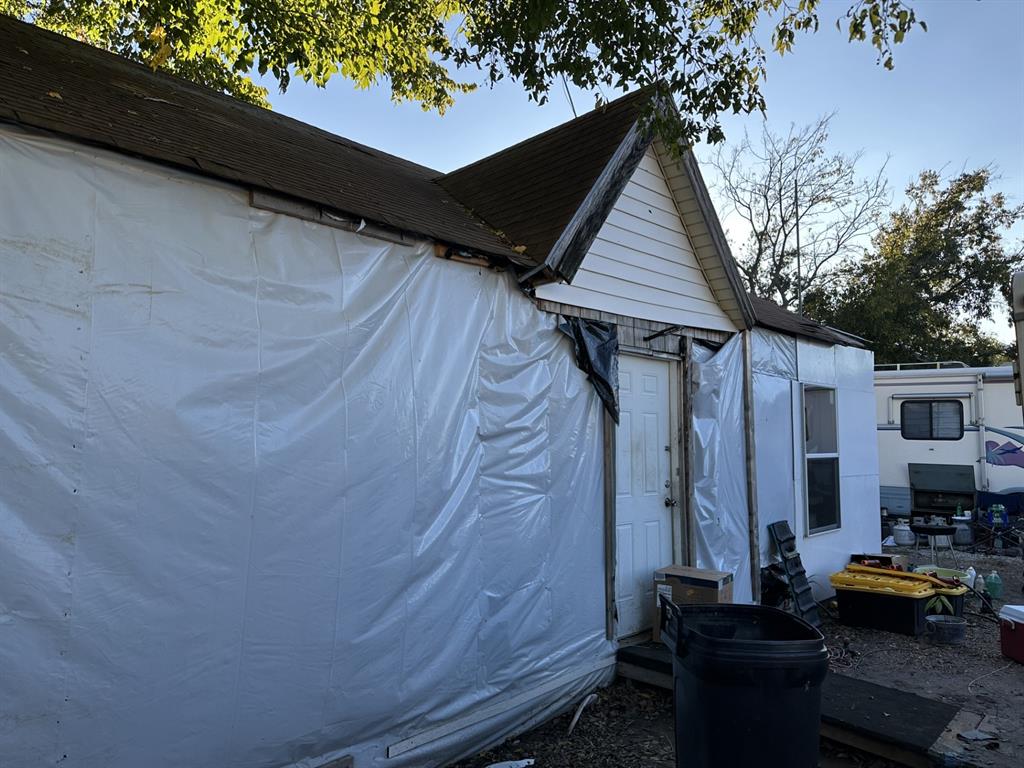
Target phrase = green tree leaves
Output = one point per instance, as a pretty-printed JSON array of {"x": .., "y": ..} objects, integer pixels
[
  {"x": 703, "y": 55},
  {"x": 937, "y": 270}
]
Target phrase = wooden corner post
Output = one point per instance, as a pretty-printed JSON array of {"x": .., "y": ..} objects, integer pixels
[
  {"x": 608, "y": 424},
  {"x": 686, "y": 451},
  {"x": 748, "y": 429}
]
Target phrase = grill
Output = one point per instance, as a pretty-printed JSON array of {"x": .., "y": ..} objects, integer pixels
[{"x": 937, "y": 489}]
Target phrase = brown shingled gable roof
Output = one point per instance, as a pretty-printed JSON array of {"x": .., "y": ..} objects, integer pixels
[
  {"x": 770, "y": 315},
  {"x": 531, "y": 191},
  {"x": 53, "y": 83},
  {"x": 537, "y": 205}
]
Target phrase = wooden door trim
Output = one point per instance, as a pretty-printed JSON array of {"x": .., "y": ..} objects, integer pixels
[
  {"x": 679, "y": 472},
  {"x": 611, "y": 613}
]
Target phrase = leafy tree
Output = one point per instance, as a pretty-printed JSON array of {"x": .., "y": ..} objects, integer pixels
[
  {"x": 704, "y": 55},
  {"x": 939, "y": 267},
  {"x": 779, "y": 181}
]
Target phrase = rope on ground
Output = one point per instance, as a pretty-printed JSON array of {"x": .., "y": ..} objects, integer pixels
[{"x": 994, "y": 671}]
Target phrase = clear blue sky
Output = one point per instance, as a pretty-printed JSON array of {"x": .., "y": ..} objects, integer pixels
[{"x": 955, "y": 100}]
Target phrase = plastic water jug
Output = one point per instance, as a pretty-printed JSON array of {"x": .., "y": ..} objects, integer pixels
[{"x": 994, "y": 585}]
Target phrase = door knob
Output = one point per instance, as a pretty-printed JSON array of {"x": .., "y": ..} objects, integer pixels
[{"x": 670, "y": 502}]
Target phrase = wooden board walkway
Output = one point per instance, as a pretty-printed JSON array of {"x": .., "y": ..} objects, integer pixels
[{"x": 902, "y": 727}]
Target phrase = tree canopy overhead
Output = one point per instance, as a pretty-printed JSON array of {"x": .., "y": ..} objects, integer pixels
[
  {"x": 705, "y": 55},
  {"x": 939, "y": 266}
]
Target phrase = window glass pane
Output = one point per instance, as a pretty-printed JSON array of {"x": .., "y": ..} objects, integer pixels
[
  {"x": 946, "y": 420},
  {"x": 822, "y": 494},
  {"x": 932, "y": 420},
  {"x": 915, "y": 420},
  {"x": 820, "y": 419}
]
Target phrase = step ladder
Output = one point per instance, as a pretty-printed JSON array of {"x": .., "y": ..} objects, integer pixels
[{"x": 804, "y": 604}]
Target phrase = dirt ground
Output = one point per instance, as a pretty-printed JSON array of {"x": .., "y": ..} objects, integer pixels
[
  {"x": 630, "y": 725},
  {"x": 975, "y": 676}
]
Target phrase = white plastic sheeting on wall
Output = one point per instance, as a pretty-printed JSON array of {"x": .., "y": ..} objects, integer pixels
[
  {"x": 774, "y": 436},
  {"x": 270, "y": 491},
  {"x": 782, "y": 366},
  {"x": 721, "y": 524},
  {"x": 773, "y": 353}
]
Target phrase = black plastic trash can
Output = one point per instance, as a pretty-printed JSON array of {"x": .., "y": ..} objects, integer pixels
[{"x": 747, "y": 685}]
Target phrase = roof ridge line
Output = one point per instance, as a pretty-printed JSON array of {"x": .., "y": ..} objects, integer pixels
[{"x": 599, "y": 110}]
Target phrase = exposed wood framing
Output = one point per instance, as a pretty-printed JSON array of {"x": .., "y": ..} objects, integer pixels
[
  {"x": 633, "y": 330},
  {"x": 644, "y": 675},
  {"x": 266, "y": 201},
  {"x": 689, "y": 494},
  {"x": 753, "y": 525},
  {"x": 680, "y": 489},
  {"x": 611, "y": 614},
  {"x": 443, "y": 251}
]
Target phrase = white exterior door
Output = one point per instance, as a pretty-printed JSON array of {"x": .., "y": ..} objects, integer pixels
[{"x": 643, "y": 522}]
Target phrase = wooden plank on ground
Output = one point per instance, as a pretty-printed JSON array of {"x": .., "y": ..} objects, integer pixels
[
  {"x": 874, "y": 746},
  {"x": 644, "y": 675},
  {"x": 901, "y": 727},
  {"x": 903, "y": 720}
]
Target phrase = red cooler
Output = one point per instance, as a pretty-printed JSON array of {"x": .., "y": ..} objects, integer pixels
[{"x": 1011, "y": 631}]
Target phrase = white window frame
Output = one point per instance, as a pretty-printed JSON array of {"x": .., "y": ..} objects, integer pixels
[{"x": 838, "y": 524}]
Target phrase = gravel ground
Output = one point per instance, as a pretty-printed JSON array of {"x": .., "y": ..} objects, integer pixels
[{"x": 630, "y": 725}]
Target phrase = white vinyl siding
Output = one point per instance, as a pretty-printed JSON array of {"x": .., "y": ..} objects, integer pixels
[
  {"x": 699, "y": 229},
  {"x": 642, "y": 263}
]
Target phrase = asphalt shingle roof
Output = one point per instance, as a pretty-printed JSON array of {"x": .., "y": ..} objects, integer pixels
[
  {"x": 54, "y": 83},
  {"x": 531, "y": 190},
  {"x": 770, "y": 315},
  {"x": 523, "y": 196}
]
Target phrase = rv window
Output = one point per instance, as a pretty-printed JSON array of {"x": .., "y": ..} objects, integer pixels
[
  {"x": 932, "y": 420},
  {"x": 821, "y": 449}
]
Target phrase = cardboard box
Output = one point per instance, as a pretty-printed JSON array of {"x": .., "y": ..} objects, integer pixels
[
  {"x": 688, "y": 586},
  {"x": 887, "y": 561}
]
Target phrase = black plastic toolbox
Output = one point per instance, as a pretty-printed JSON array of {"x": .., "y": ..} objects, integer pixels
[{"x": 886, "y": 611}]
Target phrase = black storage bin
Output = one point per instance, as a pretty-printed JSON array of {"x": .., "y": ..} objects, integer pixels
[
  {"x": 747, "y": 683},
  {"x": 881, "y": 610}
]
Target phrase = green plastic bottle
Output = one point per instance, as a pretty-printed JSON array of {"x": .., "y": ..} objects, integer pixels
[{"x": 994, "y": 585}]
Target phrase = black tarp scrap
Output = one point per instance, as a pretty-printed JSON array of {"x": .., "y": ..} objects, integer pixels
[{"x": 597, "y": 354}]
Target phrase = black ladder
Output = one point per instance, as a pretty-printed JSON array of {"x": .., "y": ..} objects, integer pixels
[{"x": 804, "y": 604}]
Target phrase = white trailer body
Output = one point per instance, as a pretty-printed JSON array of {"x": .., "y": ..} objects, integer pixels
[{"x": 951, "y": 415}]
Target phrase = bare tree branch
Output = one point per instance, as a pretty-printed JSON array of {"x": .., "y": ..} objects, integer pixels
[{"x": 768, "y": 182}]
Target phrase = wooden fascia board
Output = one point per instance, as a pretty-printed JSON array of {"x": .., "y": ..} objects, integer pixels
[
  {"x": 717, "y": 235},
  {"x": 569, "y": 250}
]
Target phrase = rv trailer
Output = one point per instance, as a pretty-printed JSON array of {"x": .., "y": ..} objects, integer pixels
[{"x": 947, "y": 414}]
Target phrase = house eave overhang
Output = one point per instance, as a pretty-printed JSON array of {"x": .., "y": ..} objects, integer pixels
[
  {"x": 717, "y": 235},
  {"x": 567, "y": 254}
]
